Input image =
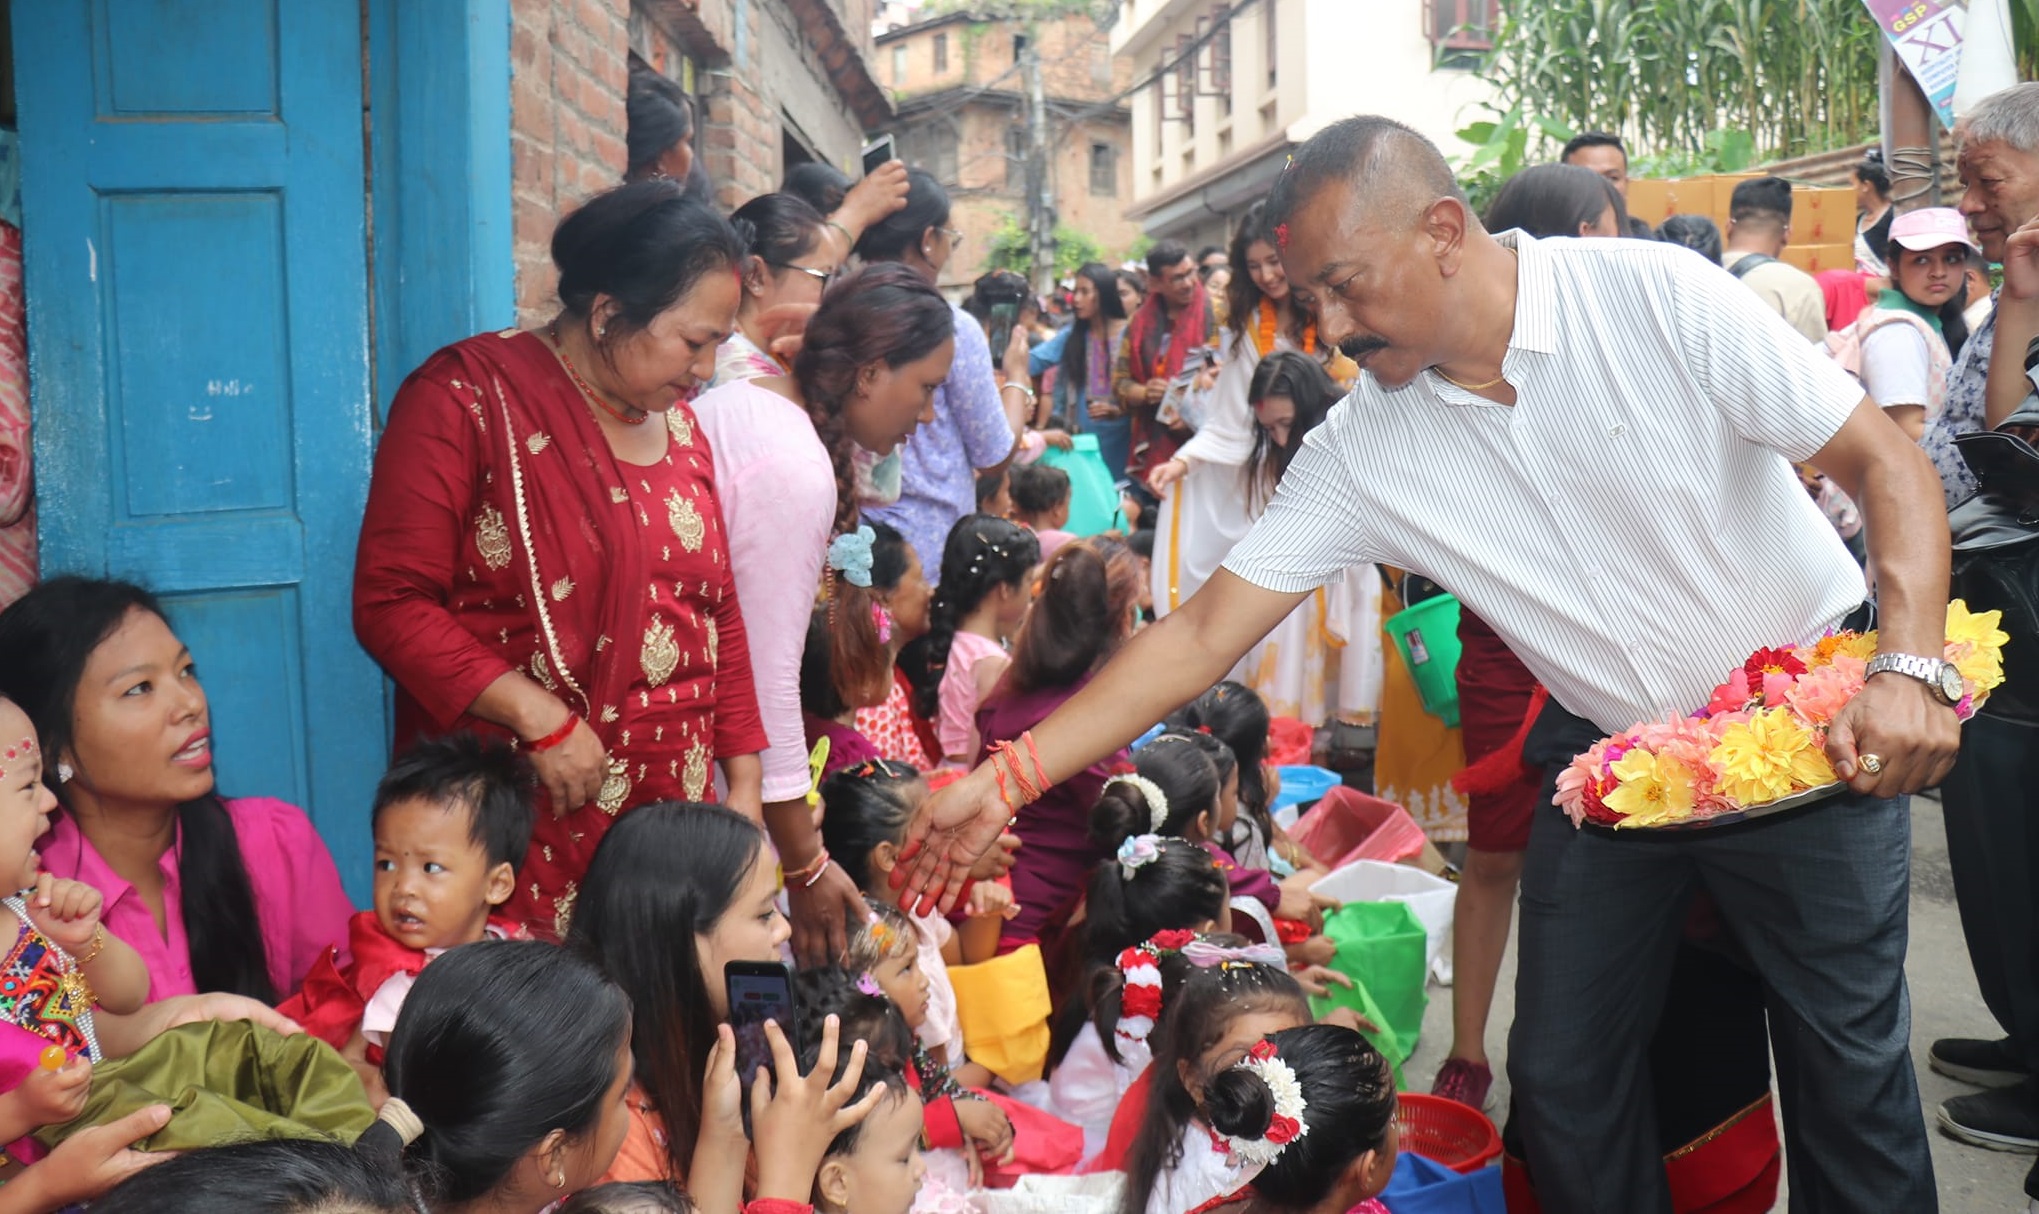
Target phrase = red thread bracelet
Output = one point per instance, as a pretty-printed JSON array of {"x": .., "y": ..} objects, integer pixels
[{"x": 557, "y": 736}]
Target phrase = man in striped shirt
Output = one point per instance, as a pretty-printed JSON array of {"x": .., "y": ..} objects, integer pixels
[{"x": 1590, "y": 442}]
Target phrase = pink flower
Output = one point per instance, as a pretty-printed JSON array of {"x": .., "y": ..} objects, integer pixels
[
  {"x": 1731, "y": 695},
  {"x": 1817, "y": 696},
  {"x": 1776, "y": 685}
]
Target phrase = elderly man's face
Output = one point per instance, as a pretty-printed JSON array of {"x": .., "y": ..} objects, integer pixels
[
  {"x": 1377, "y": 289},
  {"x": 1999, "y": 192}
]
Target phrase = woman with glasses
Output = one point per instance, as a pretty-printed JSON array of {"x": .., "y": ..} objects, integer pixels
[
  {"x": 976, "y": 422},
  {"x": 791, "y": 263}
]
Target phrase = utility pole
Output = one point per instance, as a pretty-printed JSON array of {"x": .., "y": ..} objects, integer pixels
[{"x": 1040, "y": 191}]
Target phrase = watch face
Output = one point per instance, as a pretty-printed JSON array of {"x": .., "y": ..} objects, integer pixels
[{"x": 1951, "y": 685}]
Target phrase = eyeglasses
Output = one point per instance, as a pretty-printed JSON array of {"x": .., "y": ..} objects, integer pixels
[
  {"x": 824, "y": 277},
  {"x": 955, "y": 236}
]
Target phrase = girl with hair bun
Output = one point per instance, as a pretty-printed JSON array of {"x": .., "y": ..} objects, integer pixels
[
  {"x": 1312, "y": 1109},
  {"x": 784, "y": 447},
  {"x": 791, "y": 263}
]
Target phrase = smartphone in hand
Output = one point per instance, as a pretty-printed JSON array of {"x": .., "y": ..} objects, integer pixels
[
  {"x": 878, "y": 152},
  {"x": 758, "y": 991}
]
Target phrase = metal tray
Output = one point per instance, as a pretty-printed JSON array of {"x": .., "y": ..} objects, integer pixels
[{"x": 1750, "y": 814}]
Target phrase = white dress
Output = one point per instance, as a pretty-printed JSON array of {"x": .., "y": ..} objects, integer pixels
[
  {"x": 1206, "y": 1177},
  {"x": 1086, "y": 1086},
  {"x": 1324, "y": 660}
]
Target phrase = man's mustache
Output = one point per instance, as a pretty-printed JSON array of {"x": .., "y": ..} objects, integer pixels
[{"x": 1357, "y": 348}]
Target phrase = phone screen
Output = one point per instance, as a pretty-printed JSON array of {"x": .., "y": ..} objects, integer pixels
[
  {"x": 878, "y": 152},
  {"x": 1003, "y": 317},
  {"x": 757, "y": 993}
]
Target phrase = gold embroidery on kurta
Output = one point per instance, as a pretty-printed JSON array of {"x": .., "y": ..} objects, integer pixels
[
  {"x": 618, "y": 494},
  {"x": 681, "y": 428},
  {"x": 661, "y": 653},
  {"x": 562, "y": 909},
  {"x": 538, "y": 442},
  {"x": 609, "y": 714},
  {"x": 542, "y": 671},
  {"x": 686, "y": 521},
  {"x": 695, "y": 782},
  {"x": 562, "y": 588},
  {"x": 492, "y": 537},
  {"x": 714, "y": 641},
  {"x": 615, "y": 788}
]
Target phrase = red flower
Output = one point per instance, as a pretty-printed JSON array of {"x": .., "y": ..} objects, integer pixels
[
  {"x": 1292, "y": 931},
  {"x": 1262, "y": 1050},
  {"x": 1135, "y": 957},
  {"x": 1172, "y": 940},
  {"x": 1283, "y": 1130},
  {"x": 1141, "y": 1001},
  {"x": 1772, "y": 661}
]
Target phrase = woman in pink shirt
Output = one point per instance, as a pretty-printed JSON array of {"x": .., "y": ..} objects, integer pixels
[
  {"x": 216, "y": 895},
  {"x": 869, "y": 363}
]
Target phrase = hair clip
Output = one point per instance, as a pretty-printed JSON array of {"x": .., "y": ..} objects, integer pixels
[
  {"x": 1157, "y": 801},
  {"x": 881, "y": 619},
  {"x": 869, "y": 986},
  {"x": 1137, "y": 853},
  {"x": 850, "y": 555}
]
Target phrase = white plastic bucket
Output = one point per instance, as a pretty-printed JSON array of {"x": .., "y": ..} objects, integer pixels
[{"x": 1431, "y": 898}]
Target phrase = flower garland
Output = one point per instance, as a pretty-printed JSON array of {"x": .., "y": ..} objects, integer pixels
[
  {"x": 1263, "y": 334},
  {"x": 1287, "y": 1124},
  {"x": 1157, "y": 801},
  {"x": 1140, "y": 1000},
  {"x": 1761, "y": 737}
]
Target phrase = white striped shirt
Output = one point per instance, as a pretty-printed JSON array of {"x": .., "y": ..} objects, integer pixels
[{"x": 1632, "y": 526}]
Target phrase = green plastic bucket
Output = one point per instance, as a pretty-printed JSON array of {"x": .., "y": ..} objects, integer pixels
[{"x": 1426, "y": 636}]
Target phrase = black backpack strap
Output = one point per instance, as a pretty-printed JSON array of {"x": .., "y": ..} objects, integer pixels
[{"x": 1750, "y": 262}]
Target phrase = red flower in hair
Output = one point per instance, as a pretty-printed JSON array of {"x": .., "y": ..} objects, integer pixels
[
  {"x": 1173, "y": 940},
  {"x": 1283, "y": 1130},
  {"x": 1140, "y": 1001},
  {"x": 1135, "y": 957},
  {"x": 1262, "y": 1050}
]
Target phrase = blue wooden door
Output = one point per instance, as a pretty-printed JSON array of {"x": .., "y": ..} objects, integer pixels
[{"x": 196, "y": 249}]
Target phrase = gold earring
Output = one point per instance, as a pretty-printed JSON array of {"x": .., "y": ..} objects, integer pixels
[{"x": 559, "y": 1180}]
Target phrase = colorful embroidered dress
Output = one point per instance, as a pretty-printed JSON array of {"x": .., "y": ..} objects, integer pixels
[
  {"x": 44, "y": 1001},
  {"x": 502, "y": 534}
]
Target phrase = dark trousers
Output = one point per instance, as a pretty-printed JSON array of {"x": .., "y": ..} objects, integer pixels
[
  {"x": 1991, "y": 802},
  {"x": 1817, "y": 898}
]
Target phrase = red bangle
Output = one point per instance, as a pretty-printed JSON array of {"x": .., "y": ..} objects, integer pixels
[{"x": 557, "y": 736}]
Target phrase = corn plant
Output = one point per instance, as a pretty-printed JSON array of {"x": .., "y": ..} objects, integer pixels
[{"x": 1794, "y": 75}]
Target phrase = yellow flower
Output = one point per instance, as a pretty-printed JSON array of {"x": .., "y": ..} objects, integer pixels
[
  {"x": 1857, "y": 644},
  {"x": 1976, "y": 645},
  {"x": 1652, "y": 789},
  {"x": 1769, "y": 757}
]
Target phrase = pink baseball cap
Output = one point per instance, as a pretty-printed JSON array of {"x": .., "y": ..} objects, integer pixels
[{"x": 1929, "y": 228}]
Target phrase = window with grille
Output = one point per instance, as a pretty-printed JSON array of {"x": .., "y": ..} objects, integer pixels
[
  {"x": 941, "y": 52},
  {"x": 1270, "y": 24},
  {"x": 1185, "y": 81},
  {"x": 899, "y": 66},
  {"x": 1104, "y": 170},
  {"x": 1221, "y": 57},
  {"x": 931, "y": 146},
  {"x": 1462, "y": 31}
]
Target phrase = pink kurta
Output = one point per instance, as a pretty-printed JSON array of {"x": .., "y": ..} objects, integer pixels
[{"x": 296, "y": 886}]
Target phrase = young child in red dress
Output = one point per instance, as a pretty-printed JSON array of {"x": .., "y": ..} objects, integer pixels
[{"x": 452, "y": 821}]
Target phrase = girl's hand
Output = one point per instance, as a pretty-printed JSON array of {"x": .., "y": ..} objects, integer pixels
[
  {"x": 1058, "y": 439},
  {"x": 66, "y": 911},
  {"x": 1167, "y": 474},
  {"x": 572, "y": 772},
  {"x": 988, "y": 1128},
  {"x": 1317, "y": 950},
  {"x": 1302, "y": 904},
  {"x": 949, "y": 833},
  {"x": 1317, "y": 980},
  {"x": 1346, "y": 1018},
  {"x": 45, "y": 1097},
  {"x": 997, "y": 862},
  {"x": 989, "y": 900},
  {"x": 794, "y": 1119},
  {"x": 722, "y": 1092},
  {"x": 90, "y": 1162},
  {"x": 1105, "y": 409}
]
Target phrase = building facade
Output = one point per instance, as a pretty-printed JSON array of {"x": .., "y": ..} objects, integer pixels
[
  {"x": 1224, "y": 91},
  {"x": 961, "y": 86}
]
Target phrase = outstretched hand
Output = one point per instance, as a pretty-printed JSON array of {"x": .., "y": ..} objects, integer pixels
[
  {"x": 794, "y": 1117},
  {"x": 950, "y": 831}
]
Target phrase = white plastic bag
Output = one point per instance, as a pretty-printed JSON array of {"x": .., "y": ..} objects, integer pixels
[
  {"x": 1097, "y": 1193},
  {"x": 1433, "y": 899}
]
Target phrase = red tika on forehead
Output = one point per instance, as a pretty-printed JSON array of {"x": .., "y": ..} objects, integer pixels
[{"x": 1281, "y": 236}]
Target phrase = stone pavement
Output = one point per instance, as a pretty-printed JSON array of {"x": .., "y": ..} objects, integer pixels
[{"x": 1945, "y": 1003}]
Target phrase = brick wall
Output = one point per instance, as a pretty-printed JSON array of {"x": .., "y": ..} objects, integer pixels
[{"x": 569, "y": 69}]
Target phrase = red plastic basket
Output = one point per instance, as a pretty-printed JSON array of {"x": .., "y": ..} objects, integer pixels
[{"x": 1447, "y": 1132}]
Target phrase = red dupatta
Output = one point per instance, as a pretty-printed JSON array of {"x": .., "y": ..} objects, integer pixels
[
  {"x": 555, "y": 505},
  {"x": 1188, "y": 329}
]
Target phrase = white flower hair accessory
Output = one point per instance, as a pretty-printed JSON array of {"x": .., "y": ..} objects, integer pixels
[
  {"x": 1287, "y": 1124},
  {"x": 1137, "y": 853},
  {"x": 1157, "y": 801},
  {"x": 1140, "y": 998}
]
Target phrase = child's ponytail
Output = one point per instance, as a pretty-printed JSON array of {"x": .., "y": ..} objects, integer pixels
[
  {"x": 1173, "y": 782},
  {"x": 1308, "y": 1101},
  {"x": 1237, "y": 716},
  {"x": 982, "y": 553}
]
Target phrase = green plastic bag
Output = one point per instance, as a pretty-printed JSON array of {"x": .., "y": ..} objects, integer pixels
[
  {"x": 1093, "y": 499},
  {"x": 1382, "y": 948},
  {"x": 227, "y": 1081}
]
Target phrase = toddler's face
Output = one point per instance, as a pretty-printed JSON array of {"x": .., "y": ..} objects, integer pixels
[
  {"x": 25, "y": 801},
  {"x": 883, "y": 1174},
  {"x": 905, "y": 985},
  {"x": 434, "y": 885}
]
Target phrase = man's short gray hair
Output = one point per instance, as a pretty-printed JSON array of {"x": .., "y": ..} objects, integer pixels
[{"x": 2009, "y": 116}]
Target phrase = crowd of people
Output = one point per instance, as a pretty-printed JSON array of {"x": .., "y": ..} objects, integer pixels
[{"x": 736, "y": 615}]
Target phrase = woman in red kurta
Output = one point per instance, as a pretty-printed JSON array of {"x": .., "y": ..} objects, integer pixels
[{"x": 537, "y": 560}]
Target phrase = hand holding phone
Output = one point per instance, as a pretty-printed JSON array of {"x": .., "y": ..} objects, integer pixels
[
  {"x": 758, "y": 991},
  {"x": 878, "y": 151}
]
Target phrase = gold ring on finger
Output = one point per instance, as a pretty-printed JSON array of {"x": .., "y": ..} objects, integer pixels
[{"x": 1871, "y": 763}]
